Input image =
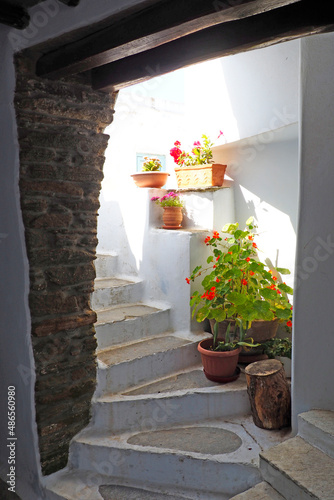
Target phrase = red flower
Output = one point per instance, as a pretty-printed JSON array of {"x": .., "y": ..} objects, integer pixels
[
  {"x": 177, "y": 143},
  {"x": 215, "y": 234},
  {"x": 279, "y": 292},
  {"x": 291, "y": 308},
  {"x": 248, "y": 259},
  {"x": 251, "y": 273},
  {"x": 254, "y": 245},
  {"x": 207, "y": 239},
  {"x": 229, "y": 253},
  {"x": 218, "y": 280},
  {"x": 272, "y": 287},
  {"x": 188, "y": 281},
  {"x": 217, "y": 259},
  {"x": 197, "y": 144},
  {"x": 176, "y": 153},
  {"x": 250, "y": 237},
  {"x": 289, "y": 323},
  {"x": 274, "y": 278},
  {"x": 244, "y": 282}
]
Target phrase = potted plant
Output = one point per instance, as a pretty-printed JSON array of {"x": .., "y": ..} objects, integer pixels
[
  {"x": 220, "y": 358},
  {"x": 237, "y": 286},
  {"x": 280, "y": 349},
  {"x": 150, "y": 175},
  {"x": 197, "y": 169},
  {"x": 172, "y": 205}
]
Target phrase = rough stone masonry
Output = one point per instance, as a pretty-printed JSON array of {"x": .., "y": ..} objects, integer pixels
[{"x": 62, "y": 145}]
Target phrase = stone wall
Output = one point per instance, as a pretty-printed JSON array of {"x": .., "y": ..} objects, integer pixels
[{"x": 62, "y": 145}]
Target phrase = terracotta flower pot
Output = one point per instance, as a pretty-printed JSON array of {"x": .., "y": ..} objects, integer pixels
[
  {"x": 211, "y": 174},
  {"x": 150, "y": 179},
  {"x": 172, "y": 217},
  {"x": 219, "y": 366}
]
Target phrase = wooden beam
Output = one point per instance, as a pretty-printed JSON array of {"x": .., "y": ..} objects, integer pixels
[
  {"x": 14, "y": 16},
  {"x": 286, "y": 23},
  {"x": 145, "y": 29}
]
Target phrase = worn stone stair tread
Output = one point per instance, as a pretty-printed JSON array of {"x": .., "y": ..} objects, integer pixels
[
  {"x": 140, "y": 349},
  {"x": 112, "y": 282},
  {"x": 182, "y": 381},
  {"x": 317, "y": 427},
  {"x": 124, "y": 312},
  {"x": 116, "y": 492},
  {"x": 300, "y": 465},
  {"x": 262, "y": 491}
]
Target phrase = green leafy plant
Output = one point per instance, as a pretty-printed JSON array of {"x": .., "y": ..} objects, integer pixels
[
  {"x": 201, "y": 153},
  {"x": 237, "y": 286},
  {"x": 230, "y": 344},
  {"x": 169, "y": 200},
  {"x": 151, "y": 165},
  {"x": 278, "y": 347}
]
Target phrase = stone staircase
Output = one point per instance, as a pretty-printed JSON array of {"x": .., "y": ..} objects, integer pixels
[{"x": 159, "y": 428}]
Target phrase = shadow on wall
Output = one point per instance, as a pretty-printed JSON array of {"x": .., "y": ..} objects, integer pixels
[{"x": 112, "y": 235}]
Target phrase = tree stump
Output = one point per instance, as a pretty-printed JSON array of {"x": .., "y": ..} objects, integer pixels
[{"x": 269, "y": 394}]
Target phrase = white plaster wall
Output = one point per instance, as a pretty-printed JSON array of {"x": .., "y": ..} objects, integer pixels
[
  {"x": 313, "y": 371},
  {"x": 266, "y": 184},
  {"x": 16, "y": 358}
]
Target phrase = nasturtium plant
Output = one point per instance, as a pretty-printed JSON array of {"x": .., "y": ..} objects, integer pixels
[{"x": 236, "y": 284}]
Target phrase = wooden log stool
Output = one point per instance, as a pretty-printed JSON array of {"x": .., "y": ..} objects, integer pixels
[{"x": 269, "y": 394}]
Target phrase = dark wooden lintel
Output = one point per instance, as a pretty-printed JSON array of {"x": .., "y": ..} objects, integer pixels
[
  {"x": 14, "y": 16},
  {"x": 147, "y": 28},
  {"x": 70, "y": 3},
  {"x": 275, "y": 26}
]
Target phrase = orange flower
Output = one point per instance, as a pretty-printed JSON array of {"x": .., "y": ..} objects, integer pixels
[
  {"x": 254, "y": 245},
  {"x": 207, "y": 239},
  {"x": 250, "y": 237},
  {"x": 215, "y": 234},
  {"x": 188, "y": 281},
  {"x": 274, "y": 278}
]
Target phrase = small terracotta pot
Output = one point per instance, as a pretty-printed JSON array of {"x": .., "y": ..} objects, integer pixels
[
  {"x": 150, "y": 179},
  {"x": 218, "y": 364},
  {"x": 172, "y": 217}
]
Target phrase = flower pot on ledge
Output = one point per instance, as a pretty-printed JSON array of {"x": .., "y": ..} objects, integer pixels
[
  {"x": 206, "y": 175},
  {"x": 152, "y": 179},
  {"x": 172, "y": 217}
]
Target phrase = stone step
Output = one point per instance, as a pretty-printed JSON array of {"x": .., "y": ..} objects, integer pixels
[
  {"x": 212, "y": 460},
  {"x": 115, "y": 290},
  {"x": 123, "y": 366},
  {"x": 129, "y": 322},
  {"x": 317, "y": 428},
  {"x": 183, "y": 397},
  {"x": 297, "y": 470},
  {"x": 106, "y": 265},
  {"x": 69, "y": 484},
  {"x": 262, "y": 491}
]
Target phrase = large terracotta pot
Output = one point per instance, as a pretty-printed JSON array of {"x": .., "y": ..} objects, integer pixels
[
  {"x": 150, "y": 179},
  {"x": 211, "y": 174},
  {"x": 219, "y": 366},
  {"x": 172, "y": 217}
]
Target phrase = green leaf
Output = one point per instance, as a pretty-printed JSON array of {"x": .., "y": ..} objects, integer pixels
[
  {"x": 249, "y": 221},
  {"x": 283, "y": 313},
  {"x": 285, "y": 288},
  {"x": 261, "y": 307},
  {"x": 268, "y": 294},
  {"x": 219, "y": 315},
  {"x": 282, "y": 270},
  {"x": 209, "y": 259},
  {"x": 236, "y": 298}
]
